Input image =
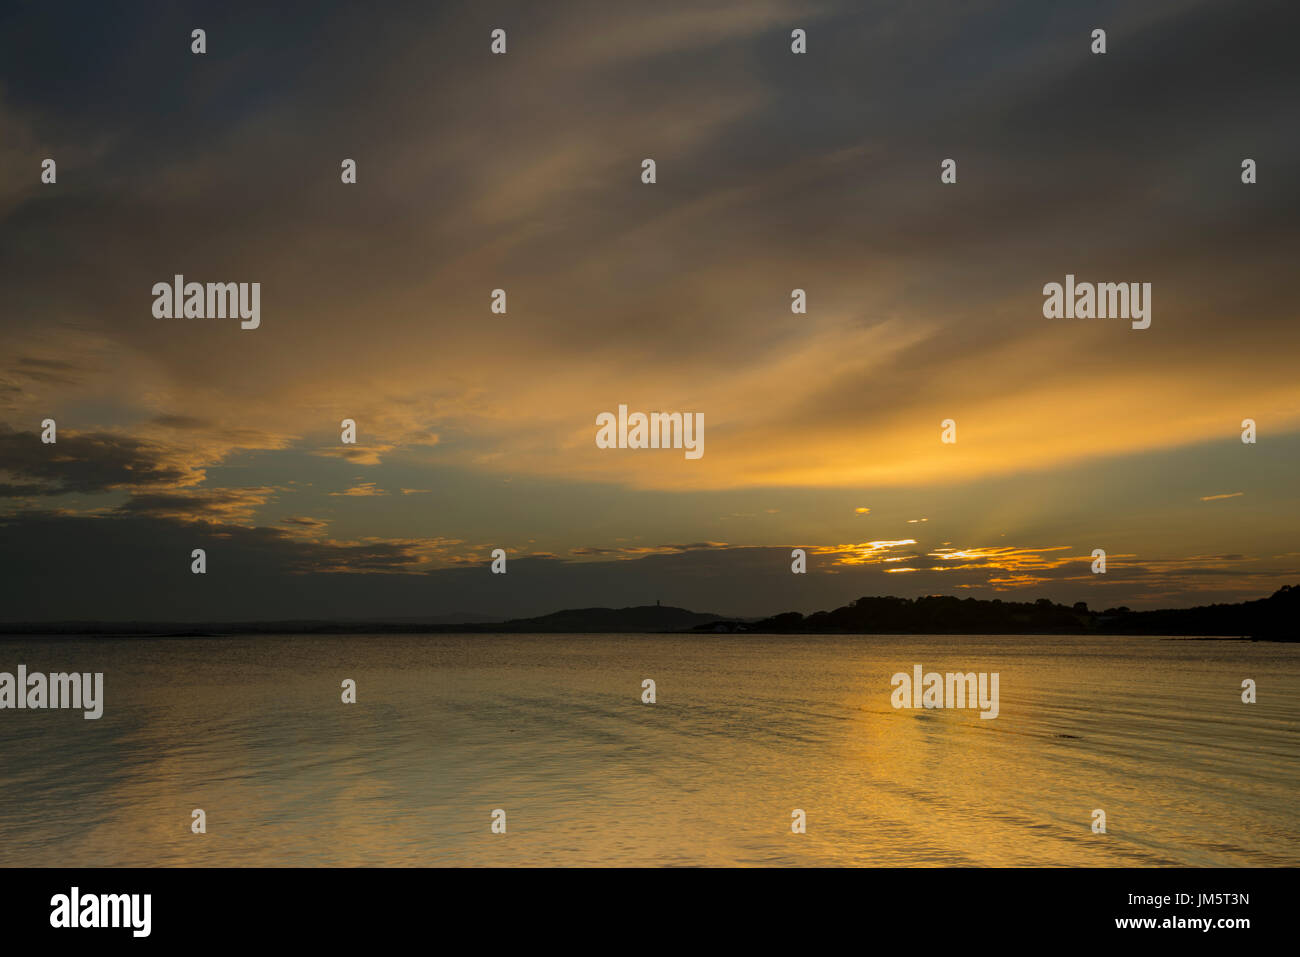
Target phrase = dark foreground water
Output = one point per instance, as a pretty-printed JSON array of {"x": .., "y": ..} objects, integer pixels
[{"x": 746, "y": 729}]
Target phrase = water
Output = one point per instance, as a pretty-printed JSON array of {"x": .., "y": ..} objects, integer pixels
[{"x": 551, "y": 728}]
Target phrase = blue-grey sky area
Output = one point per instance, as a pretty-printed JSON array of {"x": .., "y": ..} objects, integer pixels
[{"x": 774, "y": 171}]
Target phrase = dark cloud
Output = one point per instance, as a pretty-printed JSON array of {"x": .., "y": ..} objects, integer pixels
[
  {"x": 199, "y": 505},
  {"x": 61, "y": 566},
  {"x": 41, "y": 374},
  {"x": 8, "y": 490},
  {"x": 86, "y": 462},
  {"x": 56, "y": 371},
  {"x": 181, "y": 422},
  {"x": 636, "y": 551}
]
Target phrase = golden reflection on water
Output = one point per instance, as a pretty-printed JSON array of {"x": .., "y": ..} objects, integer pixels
[{"x": 745, "y": 730}]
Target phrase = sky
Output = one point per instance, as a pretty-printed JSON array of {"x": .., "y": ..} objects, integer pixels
[{"x": 774, "y": 171}]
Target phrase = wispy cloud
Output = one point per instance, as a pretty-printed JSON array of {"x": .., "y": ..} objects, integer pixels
[{"x": 362, "y": 490}]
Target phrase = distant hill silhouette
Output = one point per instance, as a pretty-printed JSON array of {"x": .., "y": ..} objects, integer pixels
[
  {"x": 1273, "y": 618},
  {"x": 641, "y": 618}
]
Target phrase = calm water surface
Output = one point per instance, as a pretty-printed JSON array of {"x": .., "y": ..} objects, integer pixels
[{"x": 552, "y": 729}]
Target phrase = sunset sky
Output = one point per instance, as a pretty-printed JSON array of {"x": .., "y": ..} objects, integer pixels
[{"x": 775, "y": 171}]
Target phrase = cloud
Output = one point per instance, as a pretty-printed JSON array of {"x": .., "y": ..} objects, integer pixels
[
  {"x": 53, "y": 371},
  {"x": 912, "y": 300},
  {"x": 305, "y": 526},
  {"x": 362, "y": 490},
  {"x": 225, "y": 505},
  {"x": 640, "y": 551},
  {"x": 181, "y": 422},
  {"x": 305, "y": 521},
  {"x": 90, "y": 463},
  {"x": 356, "y": 455},
  {"x": 377, "y": 555},
  {"x": 861, "y": 554}
]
